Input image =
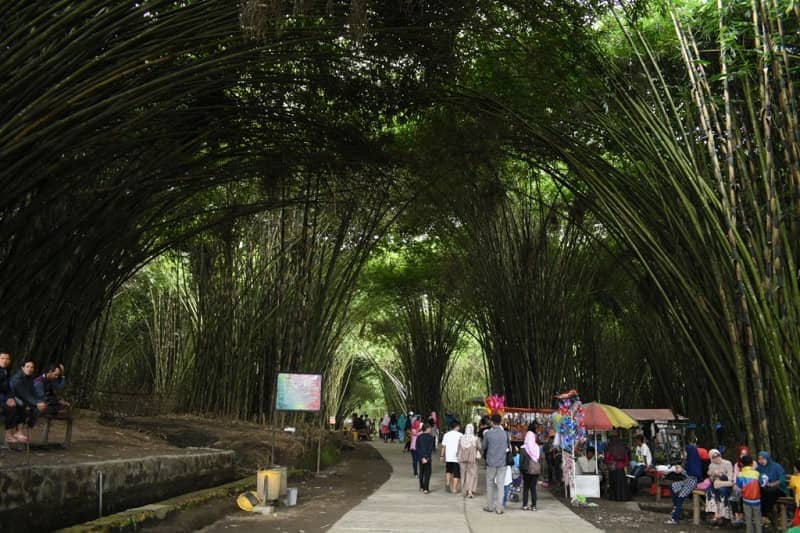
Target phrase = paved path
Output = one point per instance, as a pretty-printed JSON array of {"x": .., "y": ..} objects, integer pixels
[{"x": 399, "y": 506}]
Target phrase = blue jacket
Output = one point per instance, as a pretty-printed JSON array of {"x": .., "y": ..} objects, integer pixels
[
  {"x": 5, "y": 385},
  {"x": 46, "y": 389},
  {"x": 425, "y": 445},
  {"x": 23, "y": 388}
]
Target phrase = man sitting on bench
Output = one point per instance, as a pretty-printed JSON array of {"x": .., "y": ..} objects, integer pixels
[
  {"x": 46, "y": 385},
  {"x": 22, "y": 386},
  {"x": 12, "y": 412}
]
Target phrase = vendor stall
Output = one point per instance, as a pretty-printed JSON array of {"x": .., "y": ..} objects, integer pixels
[
  {"x": 665, "y": 430},
  {"x": 599, "y": 418},
  {"x": 516, "y": 419}
]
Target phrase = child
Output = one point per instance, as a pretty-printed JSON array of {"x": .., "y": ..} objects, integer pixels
[
  {"x": 748, "y": 482},
  {"x": 794, "y": 485}
]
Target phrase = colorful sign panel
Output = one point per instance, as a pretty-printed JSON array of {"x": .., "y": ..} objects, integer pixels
[{"x": 298, "y": 392}]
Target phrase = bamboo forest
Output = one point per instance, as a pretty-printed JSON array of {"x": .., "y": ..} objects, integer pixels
[{"x": 424, "y": 202}]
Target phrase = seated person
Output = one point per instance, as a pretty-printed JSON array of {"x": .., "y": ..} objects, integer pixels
[
  {"x": 643, "y": 458},
  {"x": 46, "y": 386},
  {"x": 794, "y": 486},
  {"x": 720, "y": 473},
  {"x": 586, "y": 464},
  {"x": 692, "y": 472},
  {"x": 773, "y": 482},
  {"x": 12, "y": 412},
  {"x": 22, "y": 386}
]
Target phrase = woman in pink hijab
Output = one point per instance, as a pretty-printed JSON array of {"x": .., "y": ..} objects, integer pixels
[
  {"x": 416, "y": 429},
  {"x": 530, "y": 467}
]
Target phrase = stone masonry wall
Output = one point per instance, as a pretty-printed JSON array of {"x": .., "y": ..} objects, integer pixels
[{"x": 48, "y": 497}]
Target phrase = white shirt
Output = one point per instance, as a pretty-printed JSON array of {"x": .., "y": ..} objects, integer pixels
[
  {"x": 584, "y": 465},
  {"x": 450, "y": 443},
  {"x": 643, "y": 451}
]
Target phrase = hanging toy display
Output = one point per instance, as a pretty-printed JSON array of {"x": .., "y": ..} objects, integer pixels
[
  {"x": 568, "y": 421},
  {"x": 495, "y": 405}
]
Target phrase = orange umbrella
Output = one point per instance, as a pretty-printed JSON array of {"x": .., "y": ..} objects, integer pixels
[{"x": 602, "y": 417}]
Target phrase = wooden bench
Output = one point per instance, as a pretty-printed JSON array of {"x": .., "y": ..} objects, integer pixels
[
  {"x": 660, "y": 484},
  {"x": 698, "y": 497},
  {"x": 64, "y": 416},
  {"x": 783, "y": 504}
]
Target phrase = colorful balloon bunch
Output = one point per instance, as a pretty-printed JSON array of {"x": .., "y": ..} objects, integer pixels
[
  {"x": 568, "y": 421},
  {"x": 495, "y": 404}
]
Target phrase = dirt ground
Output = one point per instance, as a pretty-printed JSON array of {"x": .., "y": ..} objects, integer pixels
[
  {"x": 321, "y": 500},
  {"x": 95, "y": 438},
  {"x": 640, "y": 514},
  {"x": 91, "y": 441}
]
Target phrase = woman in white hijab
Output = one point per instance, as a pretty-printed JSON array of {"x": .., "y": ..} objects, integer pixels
[{"x": 468, "y": 454}]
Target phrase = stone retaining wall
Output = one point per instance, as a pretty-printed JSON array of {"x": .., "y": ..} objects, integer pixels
[{"x": 48, "y": 497}]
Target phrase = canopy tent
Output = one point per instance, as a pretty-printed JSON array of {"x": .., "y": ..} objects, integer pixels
[
  {"x": 646, "y": 415},
  {"x": 602, "y": 417}
]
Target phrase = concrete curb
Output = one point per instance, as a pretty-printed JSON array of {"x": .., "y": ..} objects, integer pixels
[{"x": 133, "y": 519}]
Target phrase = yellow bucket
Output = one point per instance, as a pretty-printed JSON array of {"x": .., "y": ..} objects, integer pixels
[{"x": 247, "y": 500}]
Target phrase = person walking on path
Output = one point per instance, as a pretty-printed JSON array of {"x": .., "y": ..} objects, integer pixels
[
  {"x": 468, "y": 454},
  {"x": 425, "y": 446},
  {"x": 385, "y": 428},
  {"x": 450, "y": 457},
  {"x": 415, "y": 431},
  {"x": 495, "y": 446},
  {"x": 401, "y": 428},
  {"x": 530, "y": 467}
]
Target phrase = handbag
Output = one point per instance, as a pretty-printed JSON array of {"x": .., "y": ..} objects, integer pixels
[
  {"x": 534, "y": 468},
  {"x": 509, "y": 452}
]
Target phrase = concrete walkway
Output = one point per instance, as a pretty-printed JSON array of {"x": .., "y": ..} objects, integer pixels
[{"x": 399, "y": 506}]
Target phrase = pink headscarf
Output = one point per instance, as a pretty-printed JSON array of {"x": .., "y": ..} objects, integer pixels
[{"x": 530, "y": 445}]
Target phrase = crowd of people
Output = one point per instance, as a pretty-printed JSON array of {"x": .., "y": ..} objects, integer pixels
[
  {"x": 742, "y": 491},
  {"x": 26, "y": 395},
  {"x": 509, "y": 469}
]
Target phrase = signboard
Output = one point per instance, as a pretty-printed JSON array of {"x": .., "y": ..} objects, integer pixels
[{"x": 298, "y": 392}]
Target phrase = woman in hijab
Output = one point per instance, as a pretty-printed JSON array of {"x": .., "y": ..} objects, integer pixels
[
  {"x": 720, "y": 473},
  {"x": 773, "y": 482},
  {"x": 468, "y": 454},
  {"x": 616, "y": 459},
  {"x": 416, "y": 429},
  {"x": 530, "y": 467},
  {"x": 385, "y": 428},
  {"x": 693, "y": 470}
]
